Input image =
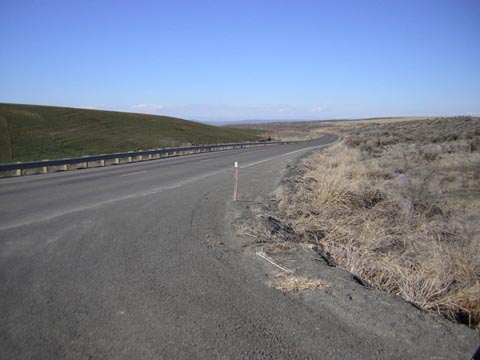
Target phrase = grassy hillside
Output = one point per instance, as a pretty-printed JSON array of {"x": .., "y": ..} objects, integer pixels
[{"x": 31, "y": 132}]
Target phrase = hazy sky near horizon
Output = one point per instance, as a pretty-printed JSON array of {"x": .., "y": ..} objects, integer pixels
[{"x": 234, "y": 60}]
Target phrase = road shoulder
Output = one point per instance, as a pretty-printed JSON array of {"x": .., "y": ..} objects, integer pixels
[{"x": 403, "y": 330}]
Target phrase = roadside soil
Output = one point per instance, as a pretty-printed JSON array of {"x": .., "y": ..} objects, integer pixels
[{"x": 312, "y": 277}]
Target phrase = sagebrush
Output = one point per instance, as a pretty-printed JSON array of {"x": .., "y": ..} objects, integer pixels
[{"x": 399, "y": 205}]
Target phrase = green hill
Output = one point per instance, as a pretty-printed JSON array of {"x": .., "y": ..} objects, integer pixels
[{"x": 31, "y": 132}]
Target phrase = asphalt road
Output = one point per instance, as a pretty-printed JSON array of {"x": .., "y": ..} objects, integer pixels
[{"x": 134, "y": 262}]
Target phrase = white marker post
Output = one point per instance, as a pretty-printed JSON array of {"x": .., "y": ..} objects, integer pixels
[{"x": 235, "y": 182}]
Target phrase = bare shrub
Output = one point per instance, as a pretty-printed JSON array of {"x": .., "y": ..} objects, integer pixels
[{"x": 292, "y": 283}]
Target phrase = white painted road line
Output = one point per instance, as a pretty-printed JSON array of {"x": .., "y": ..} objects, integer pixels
[
  {"x": 134, "y": 173},
  {"x": 286, "y": 154}
]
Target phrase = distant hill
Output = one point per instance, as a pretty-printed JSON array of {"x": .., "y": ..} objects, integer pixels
[{"x": 32, "y": 132}]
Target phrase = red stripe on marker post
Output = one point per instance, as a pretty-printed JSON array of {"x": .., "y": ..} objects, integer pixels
[{"x": 235, "y": 181}]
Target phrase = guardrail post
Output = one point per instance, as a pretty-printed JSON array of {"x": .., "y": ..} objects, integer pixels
[
  {"x": 117, "y": 161},
  {"x": 129, "y": 159},
  {"x": 149, "y": 156},
  {"x": 44, "y": 169},
  {"x": 65, "y": 167},
  {"x": 85, "y": 164},
  {"x": 18, "y": 172},
  {"x": 140, "y": 157},
  {"x": 102, "y": 162}
]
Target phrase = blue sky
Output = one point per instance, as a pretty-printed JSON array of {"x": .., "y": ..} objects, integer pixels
[{"x": 233, "y": 60}]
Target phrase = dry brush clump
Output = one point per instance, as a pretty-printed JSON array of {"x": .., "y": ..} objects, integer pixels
[
  {"x": 292, "y": 283},
  {"x": 399, "y": 205}
]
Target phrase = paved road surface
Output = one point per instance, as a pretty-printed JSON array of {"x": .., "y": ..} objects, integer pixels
[{"x": 120, "y": 262}]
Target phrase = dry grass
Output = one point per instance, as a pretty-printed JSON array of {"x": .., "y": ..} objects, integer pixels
[
  {"x": 308, "y": 130},
  {"x": 398, "y": 204},
  {"x": 279, "y": 246},
  {"x": 291, "y": 283}
]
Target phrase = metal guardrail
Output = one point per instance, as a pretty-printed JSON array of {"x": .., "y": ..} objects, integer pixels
[{"x": 138, "y": 155}]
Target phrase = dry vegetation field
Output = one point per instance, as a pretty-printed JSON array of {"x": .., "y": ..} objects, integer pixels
[
  {"x": 308, "y": 130},
  {"x": 398, "y": 204}
]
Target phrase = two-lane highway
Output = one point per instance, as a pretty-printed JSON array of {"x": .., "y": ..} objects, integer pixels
[
  {"x": 29, "y": 199},
  {"x": 133, "y": 262},
  {"x": 114, "y": 263}
]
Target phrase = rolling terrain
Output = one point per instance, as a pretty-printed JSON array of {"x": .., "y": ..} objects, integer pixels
[
  {"x": 153, "y": 260},
  {"x": 309, "y": 130},
  {"x": 146, "y": 261},
  {"x": 31, "y": 132}
]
